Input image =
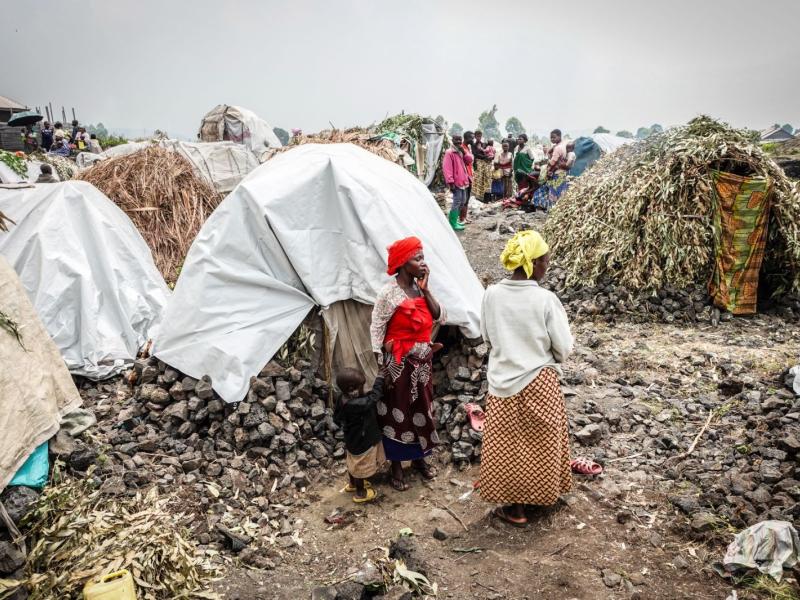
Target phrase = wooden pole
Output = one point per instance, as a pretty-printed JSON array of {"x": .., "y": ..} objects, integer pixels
[{"x": 52, "y": 114}]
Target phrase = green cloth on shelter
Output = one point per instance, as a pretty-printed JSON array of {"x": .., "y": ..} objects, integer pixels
[{"x": 741, "y": 219}]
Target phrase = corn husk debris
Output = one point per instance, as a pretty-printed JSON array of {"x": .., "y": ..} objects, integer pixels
[{"x": 75, "y": 533}]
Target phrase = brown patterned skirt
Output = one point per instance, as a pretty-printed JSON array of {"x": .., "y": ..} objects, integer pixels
[{"x": 525, "y": 455}]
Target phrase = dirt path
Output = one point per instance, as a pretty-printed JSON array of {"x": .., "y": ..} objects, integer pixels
[{"x": 615, "y": 536}]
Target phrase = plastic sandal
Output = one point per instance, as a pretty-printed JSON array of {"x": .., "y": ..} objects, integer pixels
[
  {"x": 476, "y": 416},
  {"x": 350, "y": 488},
  {"x": 585, "y": 466},
  {"x": 371, "y": 495},
  {"x": 500, "y": 513}
]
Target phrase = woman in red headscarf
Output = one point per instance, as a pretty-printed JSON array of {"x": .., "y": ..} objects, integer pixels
[{"x": 402, "y": 325}]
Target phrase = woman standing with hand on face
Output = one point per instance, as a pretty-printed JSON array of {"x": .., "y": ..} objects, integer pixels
[
  {"x": 402, "y": 324},
  {"x": 525, "y": 452}
]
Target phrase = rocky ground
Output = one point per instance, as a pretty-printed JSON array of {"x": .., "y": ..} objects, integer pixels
[{"x": 264, "y": 478}]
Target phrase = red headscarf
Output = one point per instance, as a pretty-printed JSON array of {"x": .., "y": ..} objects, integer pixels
[{"x": 401, "y": 252}]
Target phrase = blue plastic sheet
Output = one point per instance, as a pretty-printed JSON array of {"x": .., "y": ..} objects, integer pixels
[{"x": 33, "y": 473}]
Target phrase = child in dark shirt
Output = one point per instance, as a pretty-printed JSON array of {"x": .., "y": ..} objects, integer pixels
[{"x": 357, "y": 416}]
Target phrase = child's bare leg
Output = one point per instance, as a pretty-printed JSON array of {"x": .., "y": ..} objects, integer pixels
[{"x": 361, "y": 491}]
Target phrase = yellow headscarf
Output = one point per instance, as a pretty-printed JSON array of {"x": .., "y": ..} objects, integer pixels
[{"x": 522, "y": 249}]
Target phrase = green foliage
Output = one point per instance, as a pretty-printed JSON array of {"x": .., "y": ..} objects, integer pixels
[
  {"x": 643, "y": 133},
  {"x": 99, "y": 130},
  {"x": 111, "y": 141},
  {"x": 770, "y": 147},
  {"x": 514, "y": 127},
  {"x": 601, "y": 129},
  {"x": 487, "y": 122},
  {"x": 625, "y": 134},
  {"x": 656, "y": 128},
  {"x": 15, "y": 163},
  {"x": 456, "y": 129},
  {"x": 440, "y": 121},
  {"x": 787, "y": 128}
]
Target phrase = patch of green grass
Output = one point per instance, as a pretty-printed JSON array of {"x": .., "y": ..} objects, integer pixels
[{"x": 769, "y": 588}]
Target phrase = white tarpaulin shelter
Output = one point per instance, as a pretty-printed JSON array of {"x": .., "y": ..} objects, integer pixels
[
  {"x": 223, "y": 164},
  {"x": 240, "y": 125},
  {"x": 308, "y": 228},
  {"x": 88, "y": 272}
]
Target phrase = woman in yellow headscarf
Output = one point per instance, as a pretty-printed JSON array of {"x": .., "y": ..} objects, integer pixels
[{"x": 525, "y": 454}]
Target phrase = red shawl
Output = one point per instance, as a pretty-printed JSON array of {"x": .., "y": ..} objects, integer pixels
[{"x": 410, "y": 324}]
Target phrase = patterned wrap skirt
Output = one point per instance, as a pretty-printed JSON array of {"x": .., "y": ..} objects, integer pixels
[
  {"x": 482, "y": 180},
  {"x": 405, "y": 412},
  {"x": 525, "y": 455}
]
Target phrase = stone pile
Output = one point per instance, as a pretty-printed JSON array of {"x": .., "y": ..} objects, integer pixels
[
  {"x": 246, "y": 464},
  {"x": 459, "y": 379},
  {"x": 749, "y": 468},
  {"x": 611, "y": 302}
]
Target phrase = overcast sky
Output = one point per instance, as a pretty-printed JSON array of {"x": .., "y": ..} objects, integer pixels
[{"x": 148, "y": 64}]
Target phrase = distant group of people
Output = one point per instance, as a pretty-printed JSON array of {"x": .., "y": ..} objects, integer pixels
[
  {"x": 53, "y": 139},
  {"x": 525, "y": 458},
  {"x": 474, "y": 168}
]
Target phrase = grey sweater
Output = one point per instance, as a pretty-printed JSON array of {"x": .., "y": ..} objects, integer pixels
[{"x": 527, "y": 329}]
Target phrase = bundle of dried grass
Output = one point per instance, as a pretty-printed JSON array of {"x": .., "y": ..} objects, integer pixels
[
  {"x": 164, "y": 197},
  {"x": 360, "y": 137},
  {"x": 641, "y": 216},
  {"x": 77, "y": 534}
]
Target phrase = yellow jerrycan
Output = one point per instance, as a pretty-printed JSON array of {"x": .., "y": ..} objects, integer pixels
[{"x": 114, "y": 586}]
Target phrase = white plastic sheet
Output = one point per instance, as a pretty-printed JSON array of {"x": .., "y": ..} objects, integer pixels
[
  {"x": 88, "y": 272},
  {"x": 434, "y": 141},
  {"x": 239, "y": 125},
  {"x": 309, "y": 227},
  {"x": 223, "y": 164},
  {"x": 34, "y": 170},
  {"x": 609, "y": 142}
]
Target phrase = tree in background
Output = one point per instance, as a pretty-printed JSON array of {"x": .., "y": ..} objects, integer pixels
[
  {"x": 787, "y": 128},
  {"x": 99, "y": 130},
  {"x": 456, "y": 129},
  {"x": 440, "y": 121},
  {"x": 656, "y": 128},
  {"x": 625, "y": 134},
  {"x": 514, "y": 127},
  {"x": 282, "y": 134},
  {"x": 600, "y": 129},
  {"x": 642, "y": 133},
  {"x": 487, "y": 123}
]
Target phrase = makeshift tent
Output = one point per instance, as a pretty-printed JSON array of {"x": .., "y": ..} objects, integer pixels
[
  {"x": 308, "y": 228},
  {"x": 237, "y": 124},
  {"x": 223, "y": 164},
  {"x": 87, "y": 271},
  {"x": 645, "y": 217},
  {"x": 36, "y": 390},
  {"x": 589, "y": 149}
]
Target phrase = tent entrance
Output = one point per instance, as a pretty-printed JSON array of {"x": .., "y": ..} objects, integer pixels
[{"x": 741, "y": 226}]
